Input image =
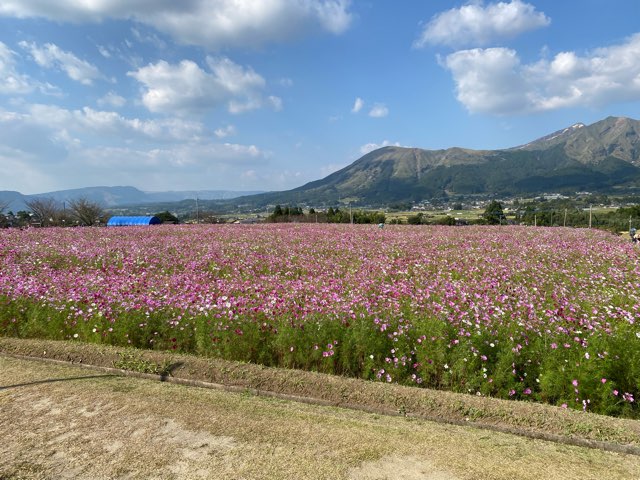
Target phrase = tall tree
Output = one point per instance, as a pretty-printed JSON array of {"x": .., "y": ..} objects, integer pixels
[
  {"x": 493, "y": 214},
  {"x": 44, "y": 209},
  {"x": 85, "y": 211}
]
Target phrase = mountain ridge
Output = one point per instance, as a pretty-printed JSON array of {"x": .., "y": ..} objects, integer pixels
[
  {"x": 117, "y": 196},
  {"x": 602, "y": 156}
]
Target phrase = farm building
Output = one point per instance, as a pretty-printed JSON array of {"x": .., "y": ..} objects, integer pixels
[{"x": 125, "y": 221}]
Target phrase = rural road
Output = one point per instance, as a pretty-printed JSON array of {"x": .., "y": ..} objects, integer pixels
[{"x": 68, "y": 422}]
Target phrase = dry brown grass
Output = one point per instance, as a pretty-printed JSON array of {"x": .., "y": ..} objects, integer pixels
[
  {"x": 538, "y": 421},
  {"x": 56, "y": 424}
]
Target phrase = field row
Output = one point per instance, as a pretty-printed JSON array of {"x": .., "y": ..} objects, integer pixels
[{"x": 544, "y": 314}]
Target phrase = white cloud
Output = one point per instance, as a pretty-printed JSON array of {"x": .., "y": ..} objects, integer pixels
[
  {"x": 51, "y": 56},
  {"x": 88, "y": 123},
  {"x": 477, "y": 25},
  {"x": 208, "y": 23},
  {"x": 357, "y": 105},
  {"x": 11, "y": 81},
  {"x": 99, "y": 147},
  {"x": 151, "y": 38},
  {"x": 370, "y": 147},
  {"x": 112, "y": 99},
  {"x": 104, "y": 51},
  {"x": 251, "y": 103},
  {"x": 495, "y": 80},
  {"x": 379, "y": 110},
  {"x": 186, "y": 88},
  {"x": 224, "y": 132},
  {"x": 275, "y": 102}
]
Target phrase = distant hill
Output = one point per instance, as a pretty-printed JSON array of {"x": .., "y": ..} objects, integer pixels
[
  {"x": 602, "y": 157},
  {"x": 598, "y": 157},
  {"x": 110, "y": 197}
]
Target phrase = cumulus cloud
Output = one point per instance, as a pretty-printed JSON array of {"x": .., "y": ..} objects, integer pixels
[
  {"x": 187, "y": 88},
  {"x": 208, "y": 23},
  {"x": 357, "y": 105},
  {"x": 479, "y": 25},
  {"x": 495, "y": 80},
  {"x": 162, "y": 150},
  {"x": 370, "y": 147},
  {"x": 86, "y": 123},
  {"x": 379, "y": 110},
  {"x": 51, "y": 56}
]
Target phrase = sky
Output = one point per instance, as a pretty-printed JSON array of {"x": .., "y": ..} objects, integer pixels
[{"x": 271, "y": 94}]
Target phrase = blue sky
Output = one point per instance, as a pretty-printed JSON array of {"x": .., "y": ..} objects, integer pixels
[{"x": 271, "y": 94}]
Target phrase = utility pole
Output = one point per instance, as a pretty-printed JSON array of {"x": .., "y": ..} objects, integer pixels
[
  {"x": 590, "y": 214},
  {"x": 565, "y": 218},
  {"x": 350, "y": 213},
  {"x": 197, "y": 211},
  {"x": 535, "y": 219}
]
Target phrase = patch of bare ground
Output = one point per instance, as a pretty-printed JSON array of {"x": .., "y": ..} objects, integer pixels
[
  {"x": 61, "y": 421},
  {"x": 524, "y": 418}
]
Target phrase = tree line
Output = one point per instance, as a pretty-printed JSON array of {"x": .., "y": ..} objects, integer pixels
[
  {"x": 282, "y": 214},
  {"x": 47, "y": 212}
]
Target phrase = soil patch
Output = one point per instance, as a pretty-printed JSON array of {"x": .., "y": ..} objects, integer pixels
[
  {"x": 530, "y": 419},
  {"x": 59, "y": 422}
]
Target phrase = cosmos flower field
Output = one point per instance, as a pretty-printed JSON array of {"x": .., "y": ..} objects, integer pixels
[{"x": 544, "y": 314}]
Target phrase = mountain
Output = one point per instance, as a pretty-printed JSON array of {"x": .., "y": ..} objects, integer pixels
[
  {"x": 110, "y": 197},
  {"x": 600, "y": 157}
]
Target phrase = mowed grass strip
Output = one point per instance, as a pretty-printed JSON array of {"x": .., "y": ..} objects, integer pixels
[
  {"x": 525, "y": 418},
  {"x": 120, "y": 427}
]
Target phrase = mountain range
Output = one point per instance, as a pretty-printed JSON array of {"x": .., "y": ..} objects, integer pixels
[
  {"x": 601, "y": 157},
  {"x": 111, "y": 197}
]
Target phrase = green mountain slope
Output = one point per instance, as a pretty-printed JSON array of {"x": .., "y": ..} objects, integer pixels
[{"x": 597, "y": 157}]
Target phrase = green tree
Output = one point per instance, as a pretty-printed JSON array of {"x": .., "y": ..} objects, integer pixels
[
  {"x": 415, "y": 219},
  {"x": 493, "y": 214},
  {"x": 446, "y": 220},
  {"x": 167, "y": 217}
]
